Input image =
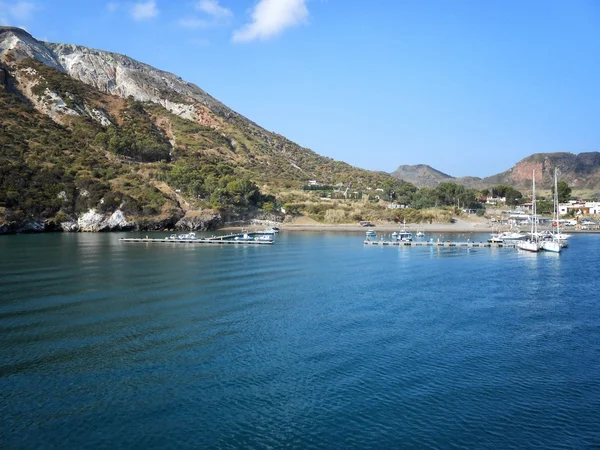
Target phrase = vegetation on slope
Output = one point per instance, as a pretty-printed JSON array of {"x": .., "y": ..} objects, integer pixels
[{"x": 148, "y": 160}]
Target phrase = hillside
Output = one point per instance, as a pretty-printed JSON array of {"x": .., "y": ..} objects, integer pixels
[{"x": 133, "y": 146}]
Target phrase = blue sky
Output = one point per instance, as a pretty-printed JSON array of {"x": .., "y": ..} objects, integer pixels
[{"x": 468, "y": 87}]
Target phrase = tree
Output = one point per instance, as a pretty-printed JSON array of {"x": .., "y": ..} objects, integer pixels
[
  {"x": 564, "y": 192},
  {"x": 512, "y": 196}
]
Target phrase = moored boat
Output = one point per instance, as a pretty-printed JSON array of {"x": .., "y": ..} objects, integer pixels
[
  {"x": 532, "y": 244},
  {"x": 554, "y": 243}
]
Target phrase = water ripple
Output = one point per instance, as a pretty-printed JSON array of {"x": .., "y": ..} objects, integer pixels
[{"x": 314, "y": 342}]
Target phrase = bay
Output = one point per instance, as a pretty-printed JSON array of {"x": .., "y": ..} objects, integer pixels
[{"x": 315, "y": 342}]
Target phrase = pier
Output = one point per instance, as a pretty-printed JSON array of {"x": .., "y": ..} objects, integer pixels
[
  {"x": 441, "y": 244},
  {"x": 193, "y": 241},
  {"x": 249, "y": 238}
]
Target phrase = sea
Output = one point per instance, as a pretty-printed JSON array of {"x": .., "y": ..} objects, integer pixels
[{"x": 317, "y": 341}]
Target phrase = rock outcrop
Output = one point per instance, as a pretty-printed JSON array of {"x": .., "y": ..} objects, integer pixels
[
  {"x": 202, "y": 220},
  {"x": 94, "y": 221}
]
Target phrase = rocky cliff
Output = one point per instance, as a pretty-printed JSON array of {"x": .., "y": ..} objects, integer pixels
[{"x": 580, "y": 171}]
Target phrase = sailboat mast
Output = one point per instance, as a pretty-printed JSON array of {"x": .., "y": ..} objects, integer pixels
[
  {"x": 533, "y": 209},
  {"x": 556, "y": 200}
]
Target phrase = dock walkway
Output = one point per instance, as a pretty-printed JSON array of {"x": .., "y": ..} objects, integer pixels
[
  {"x": 214, "y": 240},
  {"x": 193, "y": 241},
  {"x": 441, "y": 244}
]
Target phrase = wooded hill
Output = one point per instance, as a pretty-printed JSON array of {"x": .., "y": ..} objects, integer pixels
[{"x": 69, "y": 146}]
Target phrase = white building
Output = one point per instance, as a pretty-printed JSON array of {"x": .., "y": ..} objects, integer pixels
[
  {"x": 396, "y": 206},
  {"x": 580, "y": 208},
  {"x": 495, "y": 200}
]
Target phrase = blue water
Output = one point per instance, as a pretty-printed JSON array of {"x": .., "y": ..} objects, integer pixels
[{"x": 314, "y": 342}]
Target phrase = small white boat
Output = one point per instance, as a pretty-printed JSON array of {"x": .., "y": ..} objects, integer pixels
[
  {"x": 512, "y": 236},
  {"x": 529, "y": 246},
  {"x": 182, "y": 237},
  {"x": 371, "y": 234},
  {"x": 551, "y": 246},
  {"x": 248, "y": 237},
  {"x": 264, "y": 237},
  {"x": 403, "y": 235},
  {"x": 420, "y": 234},
  {"x": 270, "y": 230},
  {"x": 186, "y": 237}
]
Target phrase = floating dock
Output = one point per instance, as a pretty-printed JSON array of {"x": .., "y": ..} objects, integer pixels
[
  {"x": 227, "y": 239},
  {"x": 441, "y": 244}
]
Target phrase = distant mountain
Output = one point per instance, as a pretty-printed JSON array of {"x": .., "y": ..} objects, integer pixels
[
  {"x": 580, "y": 171},
  {"x": 421, "y": 175}
]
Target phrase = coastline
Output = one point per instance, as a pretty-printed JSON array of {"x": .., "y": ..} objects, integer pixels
[{"x": 460, "y": 226}]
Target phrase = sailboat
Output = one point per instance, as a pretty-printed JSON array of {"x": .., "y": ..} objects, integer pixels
[
  {"x": 532, "y": 245},
  {"x": 554, "y": 245}
]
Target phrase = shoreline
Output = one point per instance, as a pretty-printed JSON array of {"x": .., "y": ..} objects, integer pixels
[{"x": 465, "y": 227}]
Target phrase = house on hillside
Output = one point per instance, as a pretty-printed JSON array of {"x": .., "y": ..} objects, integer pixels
[
  {"x": 579, "y": 208},
  {"x": 396, "y": 206},
  {"x": 527, "y": 207},
  {"x": 495, "y": 200}
]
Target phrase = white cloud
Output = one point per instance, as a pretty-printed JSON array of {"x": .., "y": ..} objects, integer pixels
[
  {"x": 218, "y": 15},
  {"x": 20, "y": 10},
  {"x": 213, "y": 8},
  {"x": 271, "y": 17},
  {"x": 112, "y": 7},
  {"x": 144, "y": 10}
]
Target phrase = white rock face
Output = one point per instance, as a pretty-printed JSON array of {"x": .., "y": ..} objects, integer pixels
[
  {"x": 98, "y": 115},
  {"x": 120, "y": 75},
  {"x": 117, "y": 74},
  {"x": 69, "y": 226},
  {"x": 117, "y": 220},
  {"x": 56, "y": 104},
  {"x": 23, "y": 45},
  {"x": 91, "y": 221},
  {"x": 94, "y": 221}
]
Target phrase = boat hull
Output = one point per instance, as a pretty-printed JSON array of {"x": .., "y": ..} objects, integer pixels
[
  {"x": 529, "y": 246},
  {"x": 551, "y": 246}
]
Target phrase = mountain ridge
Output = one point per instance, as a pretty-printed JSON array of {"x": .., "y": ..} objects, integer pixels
[{"x": 581, "y": 171}]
